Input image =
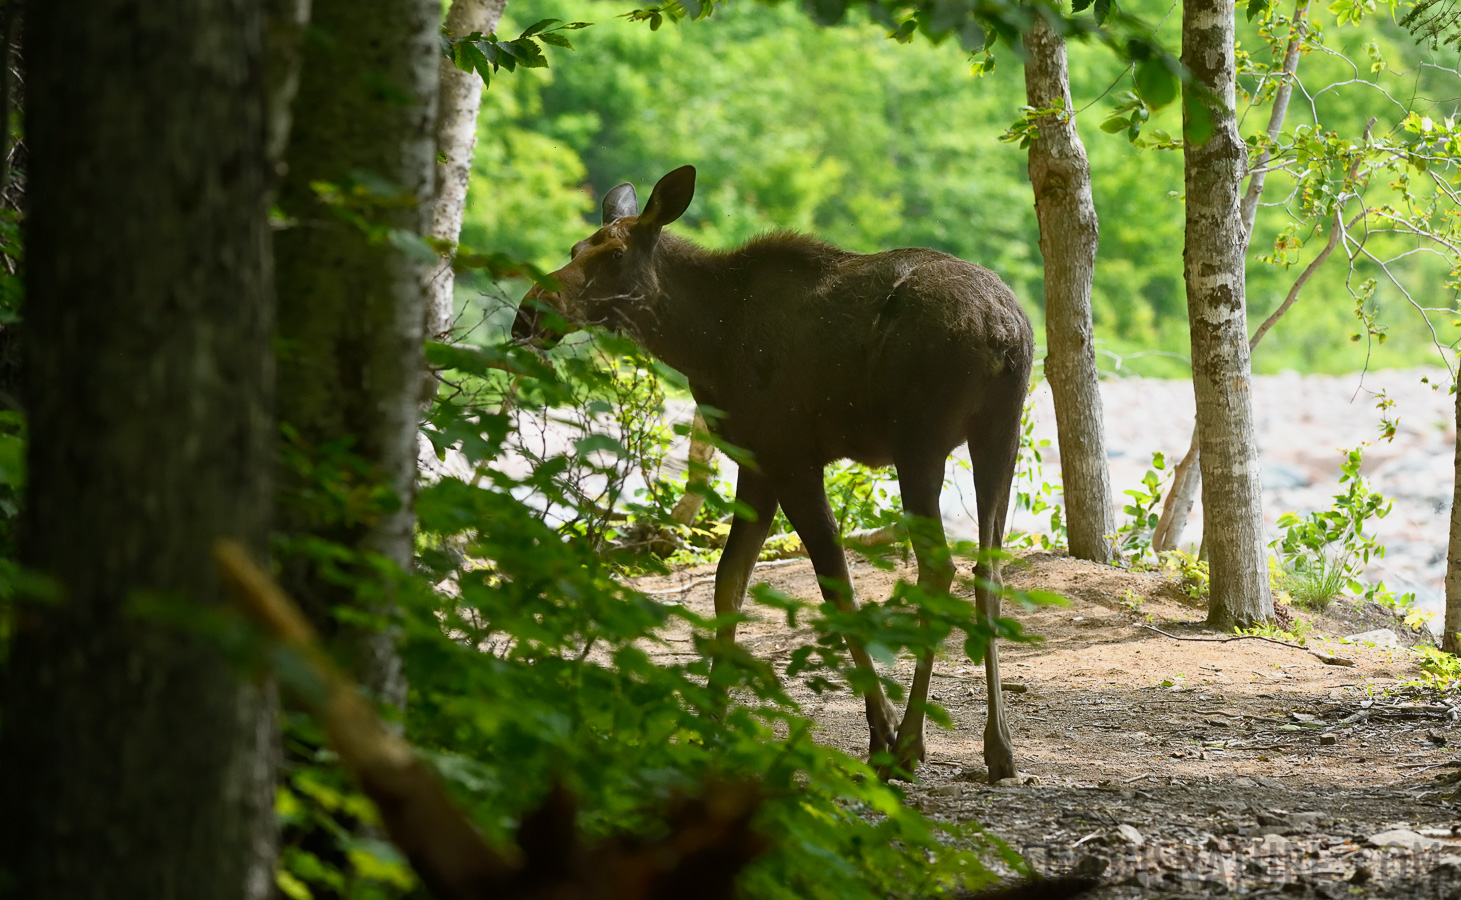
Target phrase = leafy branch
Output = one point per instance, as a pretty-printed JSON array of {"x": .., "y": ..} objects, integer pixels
[{"x": 485, "y": 54}]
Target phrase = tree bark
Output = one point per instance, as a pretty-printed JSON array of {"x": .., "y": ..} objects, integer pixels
[
  {"x": 352, "y": 303},
  {"x": 1213, "y": 268},
  {"x": 1069, "y": 232},
  {"x": 1451, "y": 632},
  {"x": 134, "y": 762},
  {"x": 1187, "y": 477},
  {"x": 456, "y": 138}
]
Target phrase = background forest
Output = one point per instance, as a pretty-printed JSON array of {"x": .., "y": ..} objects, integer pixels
[{"x": 872, "y": 144}]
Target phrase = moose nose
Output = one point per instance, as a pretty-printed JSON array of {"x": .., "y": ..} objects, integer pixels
[{"x": 527, "y": 325}]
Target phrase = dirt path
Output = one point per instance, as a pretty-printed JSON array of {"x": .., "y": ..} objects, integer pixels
[{"x": 1176, "y": 768}]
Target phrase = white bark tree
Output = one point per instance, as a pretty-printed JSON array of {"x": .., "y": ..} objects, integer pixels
[
  {"x": 460, "y": 100},
  {"x": 1213, "y": 268},
  {"x": 1187, "y": 477}
]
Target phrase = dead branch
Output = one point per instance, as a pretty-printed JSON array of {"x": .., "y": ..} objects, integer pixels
[{"x": 708, "y": 842}]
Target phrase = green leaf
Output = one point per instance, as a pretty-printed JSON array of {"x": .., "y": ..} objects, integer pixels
[
  {"x": 1155, "y": 82},
  {"x": 473, "y": 59},
  {"x": 1103, "y": 9},
  {"x": 1197, "y": 124},
  {"x": 1079, "y": 5},
  {"x": 1115, "y": 124},
  {"x": 693, "y": 8},
  {"x": 825, "y": 12},
  {"x": 555, "y": 39},
  {"x": 1256, "y": 8},
  {"x": 596, "y": 442},
  {"x": 538, "y": 26},
  {"x": 528, "y": 53}
]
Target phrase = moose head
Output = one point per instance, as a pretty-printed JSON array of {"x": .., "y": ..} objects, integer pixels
[{"x": 610, "y": 271}]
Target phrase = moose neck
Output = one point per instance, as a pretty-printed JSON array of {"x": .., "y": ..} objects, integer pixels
[{"x": 687, "y": 299}]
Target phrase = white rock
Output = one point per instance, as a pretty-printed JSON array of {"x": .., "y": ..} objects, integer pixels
[
  {"x": 1403, "y": 837},
  {"x": 1131, "y": 835},
  {"x": 1380, "y": 637}
]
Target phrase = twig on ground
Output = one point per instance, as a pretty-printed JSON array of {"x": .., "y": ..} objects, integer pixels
[{"x": 1326, "y": 658}]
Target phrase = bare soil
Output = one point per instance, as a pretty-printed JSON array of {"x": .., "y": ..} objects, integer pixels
[{"x": 1172, "y": 768}]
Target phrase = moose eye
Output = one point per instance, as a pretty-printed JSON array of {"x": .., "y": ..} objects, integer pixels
[{"x": 618, "y": 254}]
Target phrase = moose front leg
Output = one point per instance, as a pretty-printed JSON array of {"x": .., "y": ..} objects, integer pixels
[
  {"x": 747, "y": 535},
  {"x": 804, "y": 499}
]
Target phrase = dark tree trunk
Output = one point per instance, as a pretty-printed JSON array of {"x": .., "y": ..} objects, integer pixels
[
  {"x": 134, "y": 762},
  {"x": 1213, "y": 267},
  {"x": 1069, "y": 231},
  {"x": 352, "y": 296}
]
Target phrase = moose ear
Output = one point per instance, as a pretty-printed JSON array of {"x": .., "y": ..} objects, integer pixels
[
  {"x": 619, "y": 202},
  {"x": 670, "y": 198}
]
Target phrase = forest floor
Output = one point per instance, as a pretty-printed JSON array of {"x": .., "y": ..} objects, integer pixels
[{"x": 1173, "y": 768}]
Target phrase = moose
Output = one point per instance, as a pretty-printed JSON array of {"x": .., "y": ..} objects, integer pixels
[{"x": 815, "y": 354}]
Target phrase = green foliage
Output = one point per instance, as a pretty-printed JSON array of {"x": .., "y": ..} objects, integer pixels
[
  {"x": 1133, "y": 538},
  {"x": 1324, "y": 553},
  {"x": 1442, "y": 670},
  {"x": 1193, "y": 578},
  {"x": 485, "y": 54},
  {"x": 1033, "y": 493},
  {"x": 530, "y": 664},
  {"x": 534, "y": 667}
]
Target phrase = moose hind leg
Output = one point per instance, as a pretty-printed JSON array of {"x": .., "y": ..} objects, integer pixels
[
  {"x": 804, "y": 499},
  {"x": 994, "y": 442},
  {"x": 920, "y": 484}
]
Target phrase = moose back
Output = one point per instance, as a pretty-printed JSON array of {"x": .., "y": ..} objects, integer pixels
[{"x": 815, "y": 354}]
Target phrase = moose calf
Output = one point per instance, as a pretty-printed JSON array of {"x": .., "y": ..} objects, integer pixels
[{"x": 816, "y": 354}]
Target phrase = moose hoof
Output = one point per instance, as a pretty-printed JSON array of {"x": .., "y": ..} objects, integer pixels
[{"x": 1000, "y": 768}]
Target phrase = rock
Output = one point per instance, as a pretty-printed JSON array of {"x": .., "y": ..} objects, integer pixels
[
  {"x": 1449, "y": 865},
  {"x": 1133, "y": 836},
  {"x": 1012, "y": 781},
  {"x": 1362, "y": 875},
  {"x": 1275, "y": 845},
  {"x": 1311, "y": 819},
  {"x": 1265, "y": 818},
  {"x": 1090, "y": 866},
  {"x": 947, "y": 790},
  {"x": 1014, "y": 687},
  {"x": 1328, "y": 740},
  {"x": 1329, "y": 659},
  {"x": 1380, "y": 637},
  {"x": 1435, "y": 737},
  {"x": 973, "y": 773},
  {"x": 1403, "y": 837}
]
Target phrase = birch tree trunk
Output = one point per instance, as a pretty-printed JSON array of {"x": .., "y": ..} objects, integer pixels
[
  {"x": 456, "y": 138},
  {"x": 1213, "y": 268},
  {"x": 701, "y": 465},
  {"x": 134, "y": 762},
  {"x": 1187, "y": 477},
  {"x": 1069, "y": 233},
  {"x": 352, "y": 305}
]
